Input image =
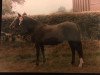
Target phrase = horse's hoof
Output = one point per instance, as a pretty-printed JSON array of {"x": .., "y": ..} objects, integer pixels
[{"x": 80, "y": 65}]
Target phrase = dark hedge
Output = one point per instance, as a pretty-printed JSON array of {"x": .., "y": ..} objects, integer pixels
[{"x": 88, "y": 22}]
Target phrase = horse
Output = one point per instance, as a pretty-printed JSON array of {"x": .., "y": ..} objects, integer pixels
[{"x": 44, "y": 34}]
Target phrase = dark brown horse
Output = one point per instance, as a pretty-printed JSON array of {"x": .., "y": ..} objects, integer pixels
[{"x": 42, "y": 34}]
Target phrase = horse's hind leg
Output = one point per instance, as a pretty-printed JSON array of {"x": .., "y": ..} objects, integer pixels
[
  {"x": 80, "y": 52},
  {"x": 71, "y": 44},
  {"x": 43, "y": 53}
]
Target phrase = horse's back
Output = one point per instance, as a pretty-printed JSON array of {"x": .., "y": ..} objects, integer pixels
[{"x": 68, "y": 25}]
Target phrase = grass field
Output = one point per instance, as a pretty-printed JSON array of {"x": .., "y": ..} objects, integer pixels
[{"x": 20, "y": 57}]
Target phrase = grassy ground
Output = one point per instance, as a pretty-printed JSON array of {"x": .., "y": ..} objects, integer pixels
[{"x": 20, "y": 57}]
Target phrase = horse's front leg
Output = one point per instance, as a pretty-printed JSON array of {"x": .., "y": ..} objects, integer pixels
[
  {"x": 73, "y": 56},
  {"x": 37, "y": 53},
  {"x": 43, "y": 53}
]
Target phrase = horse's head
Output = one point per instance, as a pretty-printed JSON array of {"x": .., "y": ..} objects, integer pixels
[
  {"x": 21, "y": 19},
  {"x": 16, "y": 22},
  {"x": 25, "y": 24}
]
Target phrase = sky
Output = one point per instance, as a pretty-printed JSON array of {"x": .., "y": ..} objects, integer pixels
[{"x": 35, "y": 7}]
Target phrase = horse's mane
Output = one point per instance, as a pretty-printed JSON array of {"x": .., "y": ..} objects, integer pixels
[{"x": 29, "y": 19}]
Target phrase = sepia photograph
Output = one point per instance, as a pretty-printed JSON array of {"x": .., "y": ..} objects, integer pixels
[{"x": 50, "y": 36}]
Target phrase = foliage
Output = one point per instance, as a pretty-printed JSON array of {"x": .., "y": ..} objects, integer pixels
[
  {"x": 7, "y": 5},
  {"x": 61, "y": 9},
  {"x": 88, "y": 23}
]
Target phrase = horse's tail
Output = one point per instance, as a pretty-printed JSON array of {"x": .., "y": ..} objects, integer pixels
[{"x": 79, "y": 29}]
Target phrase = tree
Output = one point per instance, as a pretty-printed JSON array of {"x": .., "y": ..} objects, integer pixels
[
  {"x": 61, "y": 9},
  {"x": 7, "y": 5},
  {"x": 19, "y": 1}
]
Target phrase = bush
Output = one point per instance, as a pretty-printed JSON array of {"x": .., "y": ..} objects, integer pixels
[{"x": 88, "y": 22}]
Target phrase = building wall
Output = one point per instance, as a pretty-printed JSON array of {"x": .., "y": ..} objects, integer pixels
[
  {"x": 95, "y": 5},
  {"x": 86, "y": 5}
]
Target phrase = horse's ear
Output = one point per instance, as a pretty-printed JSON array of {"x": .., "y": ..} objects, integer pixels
[{"x": 19, "y": 15}]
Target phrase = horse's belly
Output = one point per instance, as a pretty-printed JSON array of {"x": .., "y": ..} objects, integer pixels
[{"x": 51, "y": 41}]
